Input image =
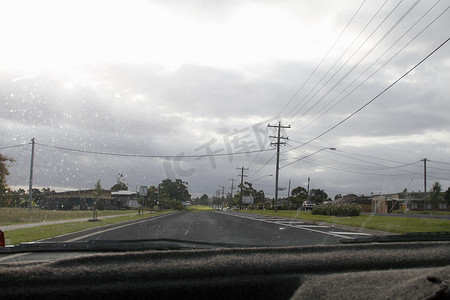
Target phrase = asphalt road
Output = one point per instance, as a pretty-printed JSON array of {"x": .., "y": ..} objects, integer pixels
[{"x": 218, "y": 227}]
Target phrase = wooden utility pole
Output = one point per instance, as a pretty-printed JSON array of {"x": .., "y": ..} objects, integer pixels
[
  {"x": 425, "y": 178},
  {"x": 30, "y": 186},
  {"x": 277, "y": 143},
  {"x": 242, "y": 185},
  {"x": 232, "y": 188}
]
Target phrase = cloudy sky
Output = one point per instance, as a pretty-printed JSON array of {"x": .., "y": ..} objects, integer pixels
[{"x": 185, "y": 89}]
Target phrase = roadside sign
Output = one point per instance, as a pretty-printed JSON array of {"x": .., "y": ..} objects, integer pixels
[
  {"x": 133, "y": 204},
  {"x": 247, "y": 199},
  {"x": 143, "y": 190}
]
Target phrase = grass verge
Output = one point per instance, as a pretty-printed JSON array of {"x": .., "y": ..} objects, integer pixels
[
  {"x": 382, "y": 223},
  {"x": 47, "y": 231},
  {"x": 423, "y": 212},
  {"x": 13, "y": 216},
  {"x": 198, "y": 208}
]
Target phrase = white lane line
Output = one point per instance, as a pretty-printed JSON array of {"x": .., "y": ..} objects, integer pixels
[
  {"x": 13, "y": 256},
  {"x": 351, "y": 233},
  {"x": 312, "y": 226},
  {"x": 293, "y": 226},
  {"x": 289, "y": 222},
  {"x": 82, "y": 237},
  {"x": 114, "y": 228}
]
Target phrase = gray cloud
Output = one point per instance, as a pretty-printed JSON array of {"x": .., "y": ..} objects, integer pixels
[{"x": 193, "y": 107}]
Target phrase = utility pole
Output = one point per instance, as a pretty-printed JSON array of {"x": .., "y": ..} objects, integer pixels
[
  {"x": 289, "y": 188},
  {"x": 232, "y": 187},
  {"x": 309, "y": 179},
  {"x": 242, "y": 184},
  {"x": 278, "y": 143},
  {"x": 223, "y": 196},
  {"x": 30, "y": 187},
  {"x": 424, "y": 178}
]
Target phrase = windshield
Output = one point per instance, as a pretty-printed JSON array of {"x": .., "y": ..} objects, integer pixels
[{"x": 250, "y": 123}]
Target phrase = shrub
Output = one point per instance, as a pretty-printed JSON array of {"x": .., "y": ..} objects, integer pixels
[{"x": 337, "y": 209}]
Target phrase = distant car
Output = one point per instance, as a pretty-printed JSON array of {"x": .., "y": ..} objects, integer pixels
[{"x": 307, "y": 205}]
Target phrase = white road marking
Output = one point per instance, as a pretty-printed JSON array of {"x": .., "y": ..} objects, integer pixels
[
  {"x": 114, "y": 228},
  {"x": 352, "y": 233},
  {"x": 13, "y": 256},
  {"x": 313, "y": 226},
  {"x": 303, "y": 227}
]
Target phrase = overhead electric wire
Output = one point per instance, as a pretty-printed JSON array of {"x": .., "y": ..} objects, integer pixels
[
  {"x": 335, "y": 63},
  {"x": 14, "y": 146},
  {"x": 355, "y": 171},
  {"x": 378, "y": 42},
  {"x": 150, "y": 156},
  {"x": 257, "y": 159},
  {"x": 324, "y": 57},
  {"x": 328, "y": 161},
  {"x": 378, "y": 95},
  {"x": 348, "y": 46},
  {"x": 339, "y": 153},
  {"x": 440, "y": 162},
  {"x": 351, "y": 166},
  {"x": 378, "y": 69},
  {"x": 259, "y": 170}
]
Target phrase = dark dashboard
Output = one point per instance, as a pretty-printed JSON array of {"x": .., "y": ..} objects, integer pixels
[{"x": 405, "y": 270}]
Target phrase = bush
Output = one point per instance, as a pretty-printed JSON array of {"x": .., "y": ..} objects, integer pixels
[
  {"x": 339, "y": 210},
  {"x": 171, "y": 204}
]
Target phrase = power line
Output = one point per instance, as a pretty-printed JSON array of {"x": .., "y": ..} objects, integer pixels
[
  {"x": 378, "y": 95},
  {"x": 361, "y": 59},
  {"x": 332, "y": 67},
  {"x": 368, "y": 68},
  {"x": 325, "y": 56},
  {"x": 151, "y": 156},
  {"x": 14, "y": 146}
]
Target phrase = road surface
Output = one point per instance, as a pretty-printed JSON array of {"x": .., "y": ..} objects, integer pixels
[{"x": 218, "y": 227}]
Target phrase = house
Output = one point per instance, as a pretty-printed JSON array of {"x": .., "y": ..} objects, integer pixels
[
  {"x": 125, "y": 199},
  {"x": 84, "y": 200},
  {"x": 415, "y": 201}
]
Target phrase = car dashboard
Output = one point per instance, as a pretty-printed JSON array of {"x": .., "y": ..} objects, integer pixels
[{"x": 405, "y": 270}]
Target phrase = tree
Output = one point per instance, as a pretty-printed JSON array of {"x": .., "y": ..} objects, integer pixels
[
  {"x": 152, "y": 196},
  {"x": 176, "y": 190},
  {"x": 248, "y": 190},
  {"x": 299, "y": 191},
  {"x": 4, "y": 165},
  {"x": 338, "y": 196},
  {"x": 120, "y": 185},
  {"x": 435, "y": 194},
  {"x": 299, "y": 194},
  {"x": 203, "y": 200},
  {"x": 318, "y": 195},
  {"x": 447, "y": 196}
]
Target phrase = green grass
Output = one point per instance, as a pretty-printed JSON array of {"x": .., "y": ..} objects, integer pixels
[
  {"x": 198, "y": 208},
  {"x": 13, "y": 216},
  {"x": 42, "y": 232},
  {"x": 389, "y": 224},
  {"x": 423, "y": 212}
]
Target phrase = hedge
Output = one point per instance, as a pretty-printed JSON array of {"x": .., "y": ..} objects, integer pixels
[{"x": 337, "y": 209}]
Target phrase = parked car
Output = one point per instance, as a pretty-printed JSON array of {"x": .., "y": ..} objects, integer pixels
[{"x": 307, "y": 205}]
